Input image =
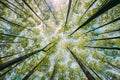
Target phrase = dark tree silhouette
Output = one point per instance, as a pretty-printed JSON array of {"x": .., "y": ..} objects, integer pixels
[
  {"x": 103, "y": 9},
  {"x": 85, "y": 70},
  {"x": 68, "y": 11}
]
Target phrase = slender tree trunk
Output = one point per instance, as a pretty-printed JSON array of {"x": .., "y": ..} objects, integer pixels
[
  {"x": 118, "y": 37},
  {"x": 8, "y": 21},
  {"x": 18, "y": 52},
  {"x": 94, "y": 72},
  {"x": 112, "y": 65},
  {"x": 110, "y": 48},
  {"x": 74, "y": 5},
  {"x": 17, "y": 7},
  {"x": 20, "y": 5},
  {"x": 38, "y": 6},
  {"x": 8, "y": 42},
  {"x": 117, "y": 19},
  {"x": 8, "y": 70},
  {"x": 33, "y": 70},
  {"x": 68, "y": 11},
  {"x": 87, "y": 73},
  {"x": 44, "y": 1},
  {"x": 13, "y": 61},
  {"x": 54, "y": 71},
  {"x": 115, "y": 30},
  {"x": 103, "y": 9},
  {"x": 9, "y": 7},
  {"x": 90, "y": 5},
  {"x": 2, "y": 57},
  {"x": 15, "y": 24},
  {"x": 11, "y": 35},
  {"x": 9, "y": 63},
  {"x": 33, "y": 11}
]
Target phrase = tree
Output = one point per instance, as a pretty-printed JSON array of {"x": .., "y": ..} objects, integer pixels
[{"x": 103, "y": 9}]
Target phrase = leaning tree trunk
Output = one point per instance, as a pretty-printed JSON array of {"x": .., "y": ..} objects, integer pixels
[
  {"x": 68, "y": 11},
  {"x": 118, "y": 37},
  {"x": 110, "y": 48},
  {"x": 103, "y": 9},
  {"x": 117, "y": 19},
  {"x": 85, "y": 70},
  {"x": 16, "y": 60},
  {"x": 33, "y": 11},
  {"x": 33, "y": 70}
]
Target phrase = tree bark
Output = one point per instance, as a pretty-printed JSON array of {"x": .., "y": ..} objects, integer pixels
[
  {"x": 15, "y": 24},
  {"x": 33, "y": 70},
  {"x": 13, "y": 61},
  {"x": 117, "y": 19},
  {"x": 54, "y": 71},
  {"x": 11, "y": 35},
  {"x": 87, "y": 9},
  {"x": 103, "y": 9},
  {"x": 115, "y": 30},
  {"x": 33, "y": 11},
  {"x": 110, "y": 48},
  {"x": 50, "y": 10},
  {"x": 85, "y": 70},
  {"x": 68, "y": 11},
  {"x": 118, "y": 37}
]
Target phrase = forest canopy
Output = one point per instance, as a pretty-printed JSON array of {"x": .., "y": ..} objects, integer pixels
[{"x": 59, "y": 40}]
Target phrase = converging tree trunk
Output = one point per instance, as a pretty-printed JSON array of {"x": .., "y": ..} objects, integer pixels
[
  {"x": 44, "y": 1},
  {"x": 68, "y": 11},
  {"x": 54, "y": 71},
  {"x": 90, "y": 5},
  {"x": 115, "y": 30},
  {"x": 33, "y": 70},
  {"x": 118, "y": 37},
  {"x": 117, "y": 19},
  {"x": 110, "y": 48},
  {"x": 103, "y": 9},
  {"x": 33, "y": 11},
  {"x": 87, "y": 73},
  {"x": 16, "y": 60}
]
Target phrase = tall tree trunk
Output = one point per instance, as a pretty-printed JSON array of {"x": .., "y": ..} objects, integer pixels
[
  {"x": 12, "y": 35},
  {"x": 2, "y": 57},
  {"x": 94, "y": 71},
  {"x": 8, "y": 42},
  {"x": 54, "y": 71},
  {"x": 112, "y": 65},
  {"x": 68, "y": 11},
  {"x": 33, "y": 11},
  {"x": 115, "y": 30},
  {"x": 90, "y": 5},
  {"x": 4, "y": 4},
  {"x": 74, "y": 5},
  {"x": 103, "y": 9},
  {"x": 38, "y": 6},
  {"x": 16, "y": 24},
  {"x": 110, "y": 48},
  {"x": 8, "y": 70},
  {"x": 17, "y": 1},
  {"x": 118, "y": 37},
  {"x": 44, "y": 1},
  {"x": 117, "y": 19},
  {"x": 17, "y": 7},
  {"x": 13, "y": 61},
  {"x": 33, "y": 70},
  {"x": 85, "y": 70}
]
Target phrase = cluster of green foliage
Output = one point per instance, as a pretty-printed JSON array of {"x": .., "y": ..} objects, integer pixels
[{"x": 79, "y": 40}]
